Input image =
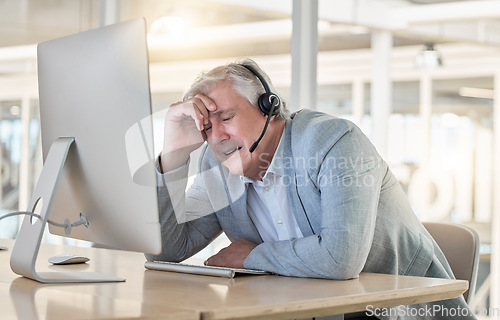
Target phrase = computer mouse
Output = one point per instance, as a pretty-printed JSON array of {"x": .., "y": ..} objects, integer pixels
[{"x": 68, "y": 259}]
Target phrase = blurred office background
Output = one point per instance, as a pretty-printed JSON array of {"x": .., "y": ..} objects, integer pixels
[{"x": 420, "y": 77}]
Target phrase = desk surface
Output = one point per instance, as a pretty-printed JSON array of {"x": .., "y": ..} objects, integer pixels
[{"x": 158, "y": 294}]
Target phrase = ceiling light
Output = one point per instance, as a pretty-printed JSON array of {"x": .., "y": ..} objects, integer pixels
[
  {"x": 476, "y": 93},
  {"x": 428, "y": 58},
  {"x": 15, "y": 110},
  {"x": 172, "y": 26}
]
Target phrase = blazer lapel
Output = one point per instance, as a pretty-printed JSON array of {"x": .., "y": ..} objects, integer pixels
[{"x": 293, "y": 192}]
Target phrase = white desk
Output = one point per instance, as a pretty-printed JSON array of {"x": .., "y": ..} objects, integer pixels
[{"x": 151, "y": 294}]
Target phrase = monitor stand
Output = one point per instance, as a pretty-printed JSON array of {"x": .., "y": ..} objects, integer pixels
[{"x": 25, "y": 252}]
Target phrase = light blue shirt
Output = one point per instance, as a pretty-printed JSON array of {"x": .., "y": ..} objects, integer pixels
[{"x": 268, "y": 205}]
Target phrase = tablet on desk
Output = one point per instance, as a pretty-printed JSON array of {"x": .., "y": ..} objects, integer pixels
[{"x": 200, "y": 269}]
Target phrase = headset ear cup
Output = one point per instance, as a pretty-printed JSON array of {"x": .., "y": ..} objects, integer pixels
[{"x": 266, "y": 102}]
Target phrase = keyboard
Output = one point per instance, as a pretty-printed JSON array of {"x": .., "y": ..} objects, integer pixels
[{"x": 200, "y": 269}]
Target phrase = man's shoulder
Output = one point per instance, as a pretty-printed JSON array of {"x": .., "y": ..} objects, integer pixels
[{"x": 308, "y": 126}]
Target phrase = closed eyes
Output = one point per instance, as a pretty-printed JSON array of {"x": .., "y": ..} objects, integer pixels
[{"x": 208, "y": 127}]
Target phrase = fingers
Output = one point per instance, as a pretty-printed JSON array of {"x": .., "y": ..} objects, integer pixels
[
  {"x": 201, "y": 106},
  {"x": 207, "y": 103},
  {"x": 209, "y": 261},
  {"x": 185, "y": 124},
  {"x": 201, "y": 113},
  {"x": 216, "y": 259}
]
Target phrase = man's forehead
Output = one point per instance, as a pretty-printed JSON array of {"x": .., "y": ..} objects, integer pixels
[
  {"x": 224, "y": 108},
  {"x": 221, "y": 111}
]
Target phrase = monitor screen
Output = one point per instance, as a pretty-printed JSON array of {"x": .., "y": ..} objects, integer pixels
[{"x": 94, "y": 89}]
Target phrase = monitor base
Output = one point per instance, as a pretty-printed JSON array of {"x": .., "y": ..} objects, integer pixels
[
  {"x": 74, "y": 277},
  {"x": 25, "y": 252}
]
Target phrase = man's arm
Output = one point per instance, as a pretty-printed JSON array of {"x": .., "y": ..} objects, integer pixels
[
  {"x": 347, "y": 205},
  {"x": 187, "y": 219},
  {"x": 182, "y": 233}
]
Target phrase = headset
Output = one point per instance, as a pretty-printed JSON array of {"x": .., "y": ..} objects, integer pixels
[{"x": 269, "y": 103}]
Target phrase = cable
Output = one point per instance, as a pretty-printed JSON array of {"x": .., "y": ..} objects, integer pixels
[{"x": 66, "y": 225}]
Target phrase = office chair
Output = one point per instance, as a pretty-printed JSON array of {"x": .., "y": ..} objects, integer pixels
[{"x": 460, "y": 245}]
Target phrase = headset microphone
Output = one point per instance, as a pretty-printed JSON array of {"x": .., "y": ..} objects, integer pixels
[
  {"x": 269, "y": 103},
  {"x": 256, "y": 143}
]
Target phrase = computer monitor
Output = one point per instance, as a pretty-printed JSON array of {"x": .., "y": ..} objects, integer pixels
[{"x": 97, "y": 142}]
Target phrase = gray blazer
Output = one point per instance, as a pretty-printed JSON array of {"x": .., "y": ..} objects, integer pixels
[{"x": 351, "y": 210}]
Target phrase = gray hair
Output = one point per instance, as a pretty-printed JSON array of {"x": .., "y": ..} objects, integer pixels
[{"x": 243, "y": 80}]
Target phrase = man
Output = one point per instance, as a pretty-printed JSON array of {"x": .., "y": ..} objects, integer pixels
[{"x": 312, "y": 199}]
